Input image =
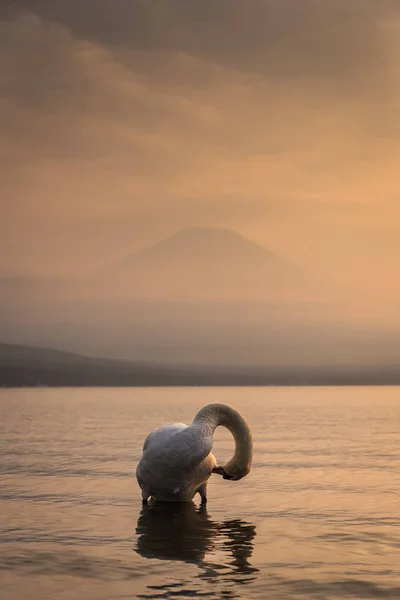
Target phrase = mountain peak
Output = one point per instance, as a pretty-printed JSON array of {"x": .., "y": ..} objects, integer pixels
[
  {"x": 207, "y": 232},
  {"x": 204, "y": 243}
]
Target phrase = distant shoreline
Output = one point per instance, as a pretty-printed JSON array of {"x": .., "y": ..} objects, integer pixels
[
  {"x": 244, "y": 385},
  {"x": 30, "y": 367}
]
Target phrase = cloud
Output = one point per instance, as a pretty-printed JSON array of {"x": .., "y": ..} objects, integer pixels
[{"x": 294, "y": 38}]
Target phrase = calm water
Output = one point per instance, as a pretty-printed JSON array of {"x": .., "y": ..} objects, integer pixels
[{"x": 318, "y": 517}]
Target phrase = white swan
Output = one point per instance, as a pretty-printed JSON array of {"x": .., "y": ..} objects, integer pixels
[{"x": 177, "y": 460}]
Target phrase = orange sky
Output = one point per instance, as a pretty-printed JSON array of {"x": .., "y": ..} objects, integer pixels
[{"x": 123, "y": 122}]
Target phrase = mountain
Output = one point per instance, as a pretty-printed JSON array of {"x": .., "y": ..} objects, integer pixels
[
  {"x": 199, "y": 245},
  {"x": 203, "y": 264},
  {"x": 22, "y": 365}
]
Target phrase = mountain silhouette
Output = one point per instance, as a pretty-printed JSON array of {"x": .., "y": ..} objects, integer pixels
[
  {"x": 206, "y": 264},
  {"x": 201, "y": 244}
]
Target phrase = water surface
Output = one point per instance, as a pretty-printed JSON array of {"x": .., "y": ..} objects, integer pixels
[{"x": 318, "y": 517}]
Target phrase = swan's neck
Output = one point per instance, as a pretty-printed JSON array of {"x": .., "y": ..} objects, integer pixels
[{"x": 214, "y": 415}]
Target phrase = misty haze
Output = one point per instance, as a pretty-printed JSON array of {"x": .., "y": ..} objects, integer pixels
[{"x": 201, "y": 198}]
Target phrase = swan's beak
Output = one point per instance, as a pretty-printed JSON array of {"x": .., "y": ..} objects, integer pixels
[{"x": 221, "y": 471}]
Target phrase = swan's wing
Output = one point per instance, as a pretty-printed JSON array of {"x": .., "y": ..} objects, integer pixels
[
  {"x": 161, "y": 435},
  {"x": 176, "y": 446}
]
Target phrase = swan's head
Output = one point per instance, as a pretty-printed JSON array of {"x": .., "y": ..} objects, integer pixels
[{"x": 233, "y": 471}]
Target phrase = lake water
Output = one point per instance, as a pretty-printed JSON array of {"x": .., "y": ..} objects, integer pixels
[{"x": 318, "y": 516}]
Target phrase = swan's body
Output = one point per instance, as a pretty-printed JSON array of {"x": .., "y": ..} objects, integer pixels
[{"x": 177, "y": 460}]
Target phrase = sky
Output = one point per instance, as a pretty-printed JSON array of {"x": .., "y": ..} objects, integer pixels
[{"x": 123, "y": 121}]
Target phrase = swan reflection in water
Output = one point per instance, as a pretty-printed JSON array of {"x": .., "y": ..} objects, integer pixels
[{"x": 185, "y": 532}]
